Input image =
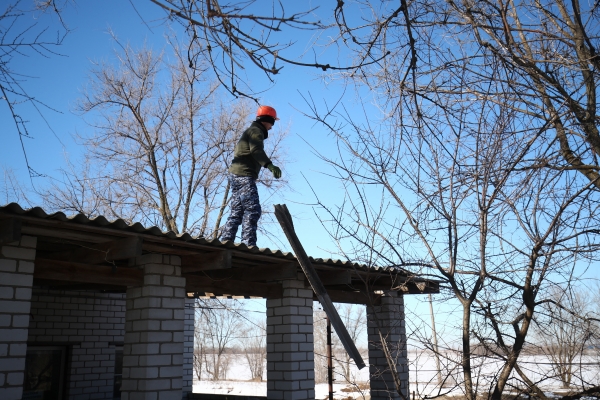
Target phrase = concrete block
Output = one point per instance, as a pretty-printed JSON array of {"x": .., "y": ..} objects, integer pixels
[
  {"x": 173, "y": 303},
  {"x": 307, "y": 366},
  {"x": 175, "y": 394},
  {"x": 294, "y": 338},
  {"x": 28, "y": 241},
  {"x": 171, "y": 348},
  {"x": 13, "y": 335},
  {"x": 157, "y": 313},
  {"x": 154, "y": 360},
  {"x": 284, "y": 385},
  {"x": 145, "y": 348},
  {"x": 6, "y": 292},
  {"x": 293, "y": 301},
  {"x": 171, "y": 372},
  {"x": 305, "y": 311},
  {"x": 20, "y": 253},
  {"x": 3, "y": 351},
  {"x": 5, "y": 320},
  {"x": 152, "y": 279},
  {"x": 290, "y": 293},
  {"x": 11, "y": 364},
  {"x": 18, "y": 349},
  {"x": 175, "y": 281},
  {"x": 295, "y": 375},
  {"x": 147, "y": 302},
  {"x": 284, "y": 347},
  {"x": 144, "y": 373},
  {"x": 154, "y": 384},
  {"x": 294, "y": 319},
  {"x": 144, "y": 325},
  {"x": 297, "y": 356},
  {"x": 157, "y": 291},
  {"x": 26, "y": 267},
  {"x": 274, "y": 320},
  {"x": 305, "y": 293},
  {"x": 14, "y": 393},
  {"x": 286, "y": 328},
  {"x": 16, "y": 279},
  {"x": 286, "y": 311},
  {"x": 8, "y": 265}
]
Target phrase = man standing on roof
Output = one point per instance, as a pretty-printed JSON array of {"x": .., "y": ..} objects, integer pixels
[{"x": 248, "y": 158}]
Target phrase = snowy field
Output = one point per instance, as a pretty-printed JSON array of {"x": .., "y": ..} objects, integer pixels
[{"x": 423, "y": 378}]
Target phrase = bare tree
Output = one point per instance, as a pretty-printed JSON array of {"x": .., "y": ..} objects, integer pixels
[
  {"x": 566, "y": 330},
  {"x": 161, "y": 145},
  {"x": 218, "y": 325},
  {"x": 456, "y": 200},
  {"x": 24, "y": 34},
  {"x": 254, "y": 347},
  {"x": 320, "y": 344},
  {"x": 355, "y": 320},
  {"x": 236, "y": 34}
]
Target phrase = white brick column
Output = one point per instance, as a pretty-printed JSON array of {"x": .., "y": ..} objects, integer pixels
[
  {"x": 290, "y": 345},
  {"x": 188, "y": 345},
  {"x": 389, "y": 319},
  {"x": 153, "y": 348},
  {"x": 16, "y": 281}
]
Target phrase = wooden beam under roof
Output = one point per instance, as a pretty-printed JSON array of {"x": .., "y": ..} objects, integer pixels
[
  {"x": 10, "y": 230},
  {"x": 220, "y": 259},
  {"x": 274, "y": 272},
  {"x": 65, "y": 271},
  {"x": 97, "y": 253},
  {"x": 332, "y": 277}
]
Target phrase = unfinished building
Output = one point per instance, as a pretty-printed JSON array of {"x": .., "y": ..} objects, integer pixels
[{"x": 98, "y": 309}]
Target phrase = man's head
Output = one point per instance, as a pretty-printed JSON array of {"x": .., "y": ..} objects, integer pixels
[{"x": 267, "y": 116}]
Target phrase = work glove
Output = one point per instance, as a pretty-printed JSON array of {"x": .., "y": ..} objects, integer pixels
[{"x": 274, "y": 170}]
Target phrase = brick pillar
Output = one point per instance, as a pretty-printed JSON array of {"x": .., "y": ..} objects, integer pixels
[
  {"x": 16, "y": 280},
  {"x": 389, "y": 319},
  {"x": 188, "y": 346},
  {"x": 154, "y": 321},
  {"x": 290, "y": 347}
]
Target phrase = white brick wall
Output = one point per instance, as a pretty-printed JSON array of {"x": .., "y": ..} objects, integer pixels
[
  {"x": 389, "y": 318},
  {"x": 154, "y": 330},
  {"x": 290, "y": 345},
  {"x": 16, "y": 280},
  {"x": 89, "y": 324}
]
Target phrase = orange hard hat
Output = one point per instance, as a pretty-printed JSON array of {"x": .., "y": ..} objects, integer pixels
[{"x": 267, "y": 111}]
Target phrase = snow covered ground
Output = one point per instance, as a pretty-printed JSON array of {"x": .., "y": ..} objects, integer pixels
[{"x": 423, "y": 380}]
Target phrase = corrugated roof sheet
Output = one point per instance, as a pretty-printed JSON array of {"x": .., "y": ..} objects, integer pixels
[{"x": 121, "y": 225}]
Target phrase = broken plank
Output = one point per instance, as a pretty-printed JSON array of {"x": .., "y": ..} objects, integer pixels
[{"x": 285, "y": 220}]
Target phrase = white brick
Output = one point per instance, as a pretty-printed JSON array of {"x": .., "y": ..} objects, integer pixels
[
  {"x": 6, "y": 292},
  {"x": 8, "y": 265},
  {"x": 26, "y": 267},
  {"x": 29, "y": 241},
  {"x": 15, "y": 378},
  {"x": 23, "y": 294},
  {"x": 16, "y": 279},
  {"x": 18, "y": 253}
]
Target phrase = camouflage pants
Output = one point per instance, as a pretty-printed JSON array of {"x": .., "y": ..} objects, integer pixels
[{"x": 245, "y": 210}]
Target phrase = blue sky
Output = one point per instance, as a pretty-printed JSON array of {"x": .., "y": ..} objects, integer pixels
[{"x": 57, "y": 81}]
